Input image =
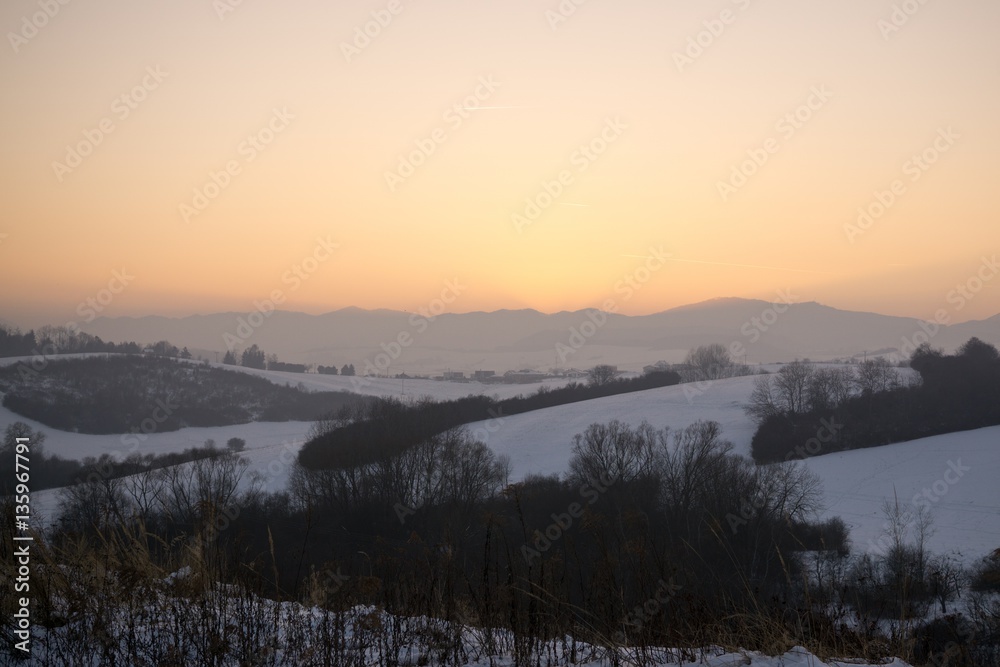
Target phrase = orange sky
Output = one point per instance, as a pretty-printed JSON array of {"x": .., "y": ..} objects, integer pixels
[{"x": 502, "y": 96}]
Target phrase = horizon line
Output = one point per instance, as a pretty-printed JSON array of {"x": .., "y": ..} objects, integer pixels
[{"x": 323, "y": 313}]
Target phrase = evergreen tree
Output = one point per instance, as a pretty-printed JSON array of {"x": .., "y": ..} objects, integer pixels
[{"x": 253, "y": 357}]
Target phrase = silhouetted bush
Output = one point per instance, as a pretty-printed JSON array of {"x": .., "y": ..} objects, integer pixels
[{"x": 986, "y": 573}]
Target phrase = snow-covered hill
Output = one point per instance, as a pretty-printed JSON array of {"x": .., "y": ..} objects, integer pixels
[
  {"x": 959, "y": 471},
  {"x": 541, "y": 441},
  {"x": 954, "y": 475}
]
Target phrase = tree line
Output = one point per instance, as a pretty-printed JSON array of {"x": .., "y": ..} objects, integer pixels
[
  {"x": 254, "y": 357},
  {"x": 50, "y": 340},
  {"x": 130, "y": 394},
  {"x": 803, "y": 411},
  {"x": 652, "y": 537},
  {"x": 387, "y": 425}
]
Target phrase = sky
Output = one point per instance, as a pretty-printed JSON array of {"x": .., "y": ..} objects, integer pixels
[{"x": 205, "y": 155}]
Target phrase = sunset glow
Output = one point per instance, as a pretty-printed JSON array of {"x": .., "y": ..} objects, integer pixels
[{"x": 218, "y": 151}]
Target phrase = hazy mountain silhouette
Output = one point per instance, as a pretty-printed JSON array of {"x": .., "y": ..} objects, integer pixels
[{"x": 506, "y": 339}]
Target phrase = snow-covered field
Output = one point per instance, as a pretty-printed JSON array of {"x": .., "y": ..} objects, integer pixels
[
  {"x": 958, "y": 471},
  {"x": 411, "y": 388},
  {"x": 271, "y": 446},
  {"x": 541, "y": 441},
  {"x": 364, "y": 385},
  {"x": 260, "y": 435},
  {"x": 954, "y": 475},
  {"x": 271, "y": 449}
]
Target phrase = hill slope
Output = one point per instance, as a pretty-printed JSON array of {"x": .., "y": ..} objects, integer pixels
[{"x": 855, "y": 483}]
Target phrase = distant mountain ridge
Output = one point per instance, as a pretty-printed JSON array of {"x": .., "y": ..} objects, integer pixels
[{"x": 505, "y": 339}]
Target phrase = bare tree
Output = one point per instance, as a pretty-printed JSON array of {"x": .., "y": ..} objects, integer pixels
[
  {"x": 841, "y": 384},
  {"x": 200, "y": 489},
  {"x": 797, "y": 387},
  {"x": 602, "y": 374},
  {"x": 876, "y": 375},
  {"x": 822, "y": 389},
  {"x": 690, "y": 468},
  {"x": 710, "y": 362},
  {"x": 144, "y": 492},
  {"x": 946, "y": 579},
  {"x": 763, "y": 400},
  {"x": 97, "y": 503},
  {"x": 613, "y": 451},
  {"x": 791, "y": 384},
  {"x": 21, "y": 430},
  {"x": 905, "y": 561},
  {"x": 470, "y": 471},
  {"x": 791, "y": 490},
  {"x": 340, "y": 489}
]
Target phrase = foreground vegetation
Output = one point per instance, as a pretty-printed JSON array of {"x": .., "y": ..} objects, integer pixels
[{"x": 653, "y": 538}]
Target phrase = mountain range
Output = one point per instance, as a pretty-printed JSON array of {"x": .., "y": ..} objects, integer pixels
[{"x": 414, "y": 342}]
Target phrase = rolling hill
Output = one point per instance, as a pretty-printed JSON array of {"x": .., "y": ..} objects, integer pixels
[{"x": 855, "y": 483}]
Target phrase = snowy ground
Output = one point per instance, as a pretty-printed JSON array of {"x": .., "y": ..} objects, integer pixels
[
  {"x": 954, "y": 475},
  {"x": 541, "y": 441},
  {"x": 265, "y": 435},
  {"x": 270, "y": 445},
  {"x": 411, "y": 388},
  {"x": 290, "y": 633},
  {"x": 366, "y": 386},
  {"x": 271, "y": 449},
  {"x": 965, "y": 504},
  {"x": 958, "y": 471}
]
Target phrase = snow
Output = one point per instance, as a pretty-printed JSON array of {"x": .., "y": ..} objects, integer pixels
[
  {"x": 409, "y": 388},
  {"x": 272, "y": 448},
  {"x": 856, "y": 484},
  {"x": 541, "y": 441},
  {"x": 958, "y": 470},
  {"x": 267, "y": 442},
  {"x": 364, "y": 385},
  {"x": 288, "y": 632},
  {"x": 80, "y": 445}
]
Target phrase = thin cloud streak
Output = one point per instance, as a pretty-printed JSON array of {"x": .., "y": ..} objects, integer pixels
[{"x": 746, "y": 266}]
